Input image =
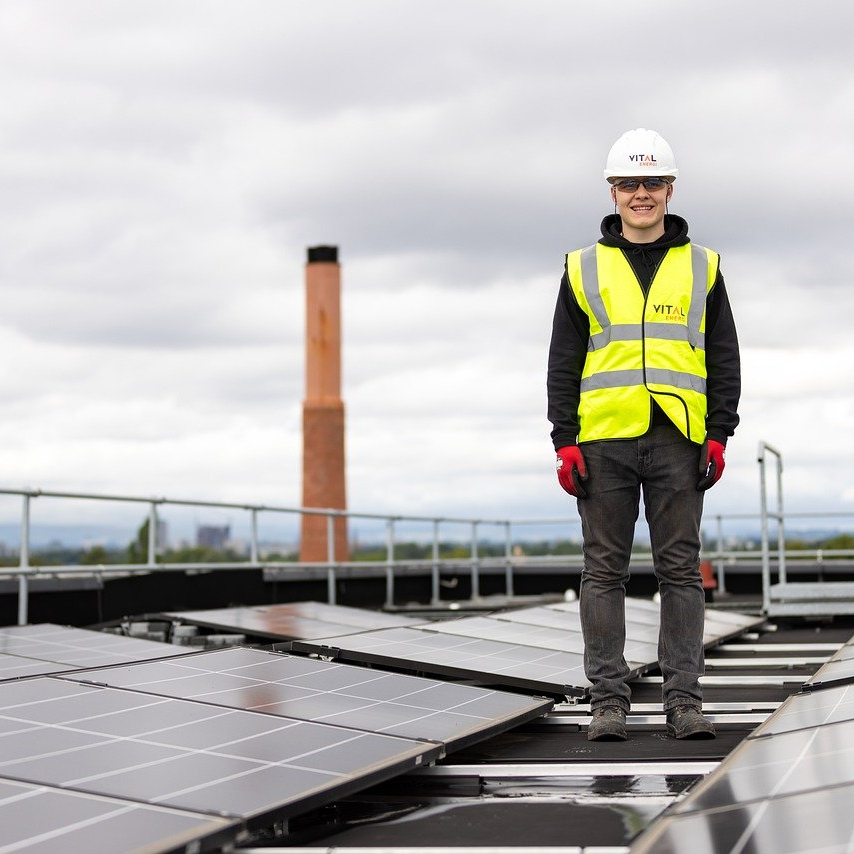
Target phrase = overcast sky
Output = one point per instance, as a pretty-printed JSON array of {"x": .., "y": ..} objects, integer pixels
[{"x": 164, "y": 165}]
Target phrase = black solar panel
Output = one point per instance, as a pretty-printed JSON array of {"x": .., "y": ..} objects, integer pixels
[
  {"x": 293, "y": 620},
  {"x": 79, "y": 647},
  {"x": 839, "y": 670},
  {"x": 489, "y": 662},
  {"x": 517, "y": 648},
  {"x": 45, "y": 819},
  {"x": 327, "y": 692},
  {"x": 571, "y": 621},
  {"x": 526, "y": 634},
  {"x": 788, "y": 787},
  {"x": 814, "y": 709},
  {"x": 819, "y": 821},
  {"x": 17, "y": 666},
  {"x": 763, "y": 768},
  {"x": 187, "y": 755}
]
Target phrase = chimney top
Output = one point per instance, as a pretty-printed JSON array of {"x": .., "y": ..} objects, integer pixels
[{"x": 319, "y": 254}]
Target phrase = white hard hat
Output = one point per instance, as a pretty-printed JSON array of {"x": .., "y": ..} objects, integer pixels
[{"x": 640, "y": 152}]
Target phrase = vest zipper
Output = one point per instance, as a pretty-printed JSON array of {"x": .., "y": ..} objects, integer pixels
[{"x": 643, "y": 338}]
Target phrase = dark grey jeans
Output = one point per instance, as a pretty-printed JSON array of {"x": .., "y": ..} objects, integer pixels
[{"x": 665, "y": 466}]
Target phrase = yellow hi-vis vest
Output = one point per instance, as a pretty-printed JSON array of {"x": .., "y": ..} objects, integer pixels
[{"x": 642, "y": 346}]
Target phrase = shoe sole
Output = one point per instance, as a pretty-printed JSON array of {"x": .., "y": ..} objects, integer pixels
[
  {"x": 696, "y": 735},
  {"x": 607, "y": 736}
]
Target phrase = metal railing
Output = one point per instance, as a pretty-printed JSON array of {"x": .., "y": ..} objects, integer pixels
[
  {"x": 392, "y": 566},
  {"x": 434, "y": 565}
]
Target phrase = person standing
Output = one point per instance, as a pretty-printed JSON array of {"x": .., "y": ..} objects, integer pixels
[{"x": 643, "y": 387}]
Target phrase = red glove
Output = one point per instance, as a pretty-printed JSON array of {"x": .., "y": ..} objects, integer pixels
[
  {"x": 712, "y": 462},
  {"x": 571, "y": 471}
]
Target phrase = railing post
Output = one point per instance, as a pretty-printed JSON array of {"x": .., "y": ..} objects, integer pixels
[
  {"x": 781, "y": 533},
  {"x": 435, "y": 597},
  {"x": 331, "y": 596},
  {"x": 781, "y": 537},
  {"x": 720, "y": 560},
  {"x": 389, "y": 569},
  {"x": 152, "y": 535},
  {"x": 475, "y": 567},
  {"x": 253, "y": 536},
  {"x": 508, "y": 565},
  {"x": 23, "y": 581}
]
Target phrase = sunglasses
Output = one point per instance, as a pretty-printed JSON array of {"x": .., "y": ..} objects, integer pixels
[{"x": 630, "y": 185}]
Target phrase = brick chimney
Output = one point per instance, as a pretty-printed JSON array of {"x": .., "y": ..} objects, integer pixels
[{"x": 323, "y": 482}]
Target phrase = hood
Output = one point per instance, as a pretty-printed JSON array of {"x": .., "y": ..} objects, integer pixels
[{"x": 675, "y": 233}]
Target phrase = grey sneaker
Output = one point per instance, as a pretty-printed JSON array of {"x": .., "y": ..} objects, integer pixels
[
  {"x": 608, "y": 724},
  {"x": 688, "y": 722}
]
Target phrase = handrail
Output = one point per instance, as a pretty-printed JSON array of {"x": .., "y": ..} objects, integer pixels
[
  {"x": 433, "y": 564},
  {"x": 25, "y": 570}
]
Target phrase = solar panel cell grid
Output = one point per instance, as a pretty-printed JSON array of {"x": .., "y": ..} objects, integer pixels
[
  {"x": 820, "y": 821},
  {"x": 784, "y": 764},
  {"x": 294, "y": 620},
  {"x": 79, "y": 647},
  {"x": 571, "y": 621},
  {"x": 531, "y": 668},
  {"x": 41, "y": 819},
  {"x": 330, "y": 692},
  {"x": 184, "y": 754},
  {"x": 814, "y": 709}
]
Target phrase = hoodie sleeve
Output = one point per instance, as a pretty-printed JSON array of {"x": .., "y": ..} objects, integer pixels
[
  {"x": 567, "y": 352},
  {"x": 723, "y": 365}
]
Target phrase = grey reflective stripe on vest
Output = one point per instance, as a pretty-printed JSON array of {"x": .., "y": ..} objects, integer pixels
[
  {"x": 617, "y": 332},
  {"x": 590, "y": 284},
  {"x": 659, "y": 376},
  {"x": 668, "y": 331},
  {"x": 699, "y": 271},
  {"x": 676, "y": 379}
]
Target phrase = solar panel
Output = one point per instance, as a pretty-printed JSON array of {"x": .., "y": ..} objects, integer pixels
[
  {"x": 571, "y": 621},
  {"x": 187, "y": 755},
  {"x": 293, "y": 620},
  {"x": 491, "y": 628},
  {"x": 17, "y": 666},
  {"x": 839, "y": 670},
  {"x": 813, "y": 709},
  {"x": 326, "y": 692},
  {"x": 79, "y": 647},
  {"x": 819, "y": 821},
  {"x": 637, "y": 610},
  {"x": 42, "y": 818},
  {"x": 489, "y": 662},
  {"x": 538, "y": 649},
  {"x": 764, "y": 768}
]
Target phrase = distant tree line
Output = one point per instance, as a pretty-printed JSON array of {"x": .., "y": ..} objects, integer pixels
[{"x": 136, "y": 552}]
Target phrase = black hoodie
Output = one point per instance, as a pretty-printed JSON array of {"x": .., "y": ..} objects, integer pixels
[{"x": 571, "y": 332}]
